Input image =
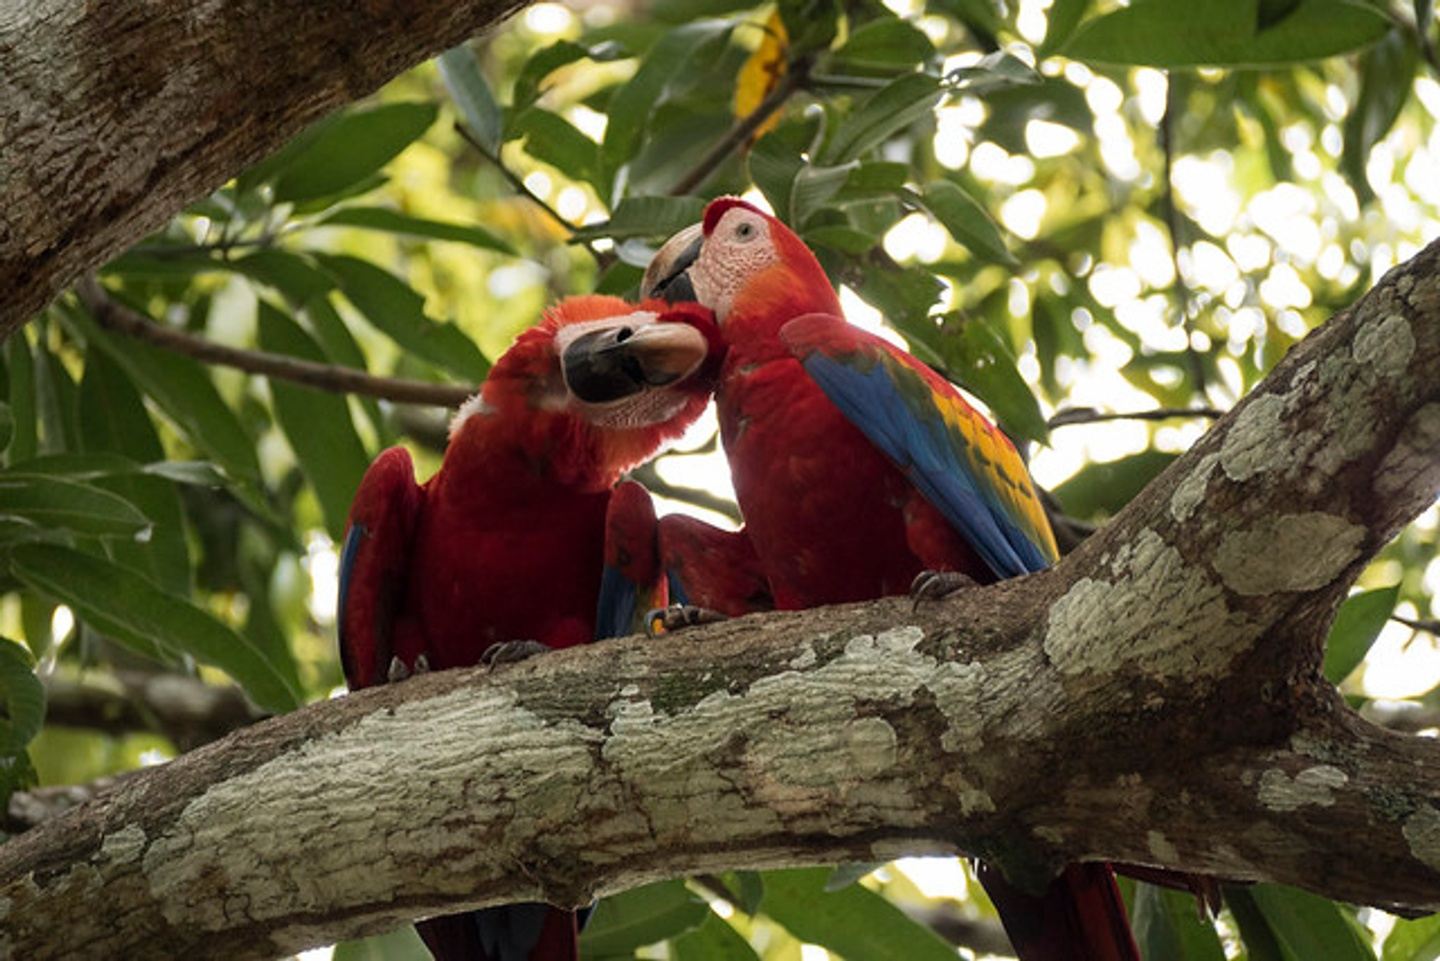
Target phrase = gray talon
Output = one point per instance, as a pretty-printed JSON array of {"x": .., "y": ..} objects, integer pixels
[
  {"x": 422, "y": 665},
  {"x": 397, "y": 672},
  {"x": 933, "y": 585},
  {"x": 511, "y": 652}
]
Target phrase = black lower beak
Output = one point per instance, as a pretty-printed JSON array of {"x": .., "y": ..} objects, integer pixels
[
  {"x": 675, "y": 288},
  {"x": 668, "y": 276},
  {"x": 611, "y": 364}
]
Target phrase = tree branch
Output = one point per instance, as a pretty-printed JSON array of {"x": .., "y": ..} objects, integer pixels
[
  {"x": 114, "y": 116},
  {"x": 1156, "y": 698},
  {"x": 115, "y": 316},
  {"x": 1089, "y": 415},
  {"x": 187, "y": 710}
]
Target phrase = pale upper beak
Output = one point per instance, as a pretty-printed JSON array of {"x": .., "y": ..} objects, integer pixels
[
  {"x": 615, "y": 363},
  {"x": 668, "y": 275}
]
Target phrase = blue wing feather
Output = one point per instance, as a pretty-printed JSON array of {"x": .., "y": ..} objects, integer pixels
[
  {"x": 619, "y": 604},
  {"x": 895, "y": 408}
]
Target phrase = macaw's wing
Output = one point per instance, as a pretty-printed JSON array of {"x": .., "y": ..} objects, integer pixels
[
  {"x": 961, "y": 462},
  {"x": 632, "y": 582},
  {"x": 373, "y": 566},
  {"x": 509, "y": 932},
  {"x": 712, "y": 568}
]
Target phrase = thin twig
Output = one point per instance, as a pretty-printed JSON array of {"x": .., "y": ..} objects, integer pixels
[
  {"x": 1429, "y": 627},
  {"x": 1172, "y": 226},
  {"x": 221, "y": 247},
  {"x": 1089, "y": 415},
  {"x": 740, "y": 133},
  {"x": 116, "y": 317},
  {"x": 603, "y": 258}
]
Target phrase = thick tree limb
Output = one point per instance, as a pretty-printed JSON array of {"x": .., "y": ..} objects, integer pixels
[
  {"x": 1156, "y": 699},
  {"x": 113, "y": 116}
]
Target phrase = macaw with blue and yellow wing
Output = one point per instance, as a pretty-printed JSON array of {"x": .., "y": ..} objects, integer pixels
[{"x": 857, "y": 470}]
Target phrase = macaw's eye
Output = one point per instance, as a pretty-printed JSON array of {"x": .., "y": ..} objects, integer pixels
[{"x": 745, "y": 230}]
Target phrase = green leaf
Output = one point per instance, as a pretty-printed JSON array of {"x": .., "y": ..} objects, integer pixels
[
  {"x": 22, "y": 698},
  {"x": 774, "y": 162},
  {"x": 1357, "y": 624},
  {"x": 1417, "y": 940},
  {"x": 750, "y": 885},
  {"x": 1100, "y": 489},
  {"x": 980, "y": 359},
  {"x": 113, "y": 420},
  {"x": 126, "y": 606},
  {"x": 350, "y": 148},
  {"x": 630, "y": 107},
  {"x": 549, "y": 59},
  {"x": 392, "y": 306},
  {"x": 1160, "y": 33},
  {"x": 551, "y": 138},
  {"x": 713, "y": 940},
  {"x": 460, "y": 70},
  {"x": 841, "y": 237},
  {"x": 1167, "y": 927},
  {"x": 402, "y": 944},
  {"x": 883, "y": 43},
  {"x": 7, "y": 425},
  {"x": 1303, "y": 926},
  {"x": 814, "y": 186},
  {"x": 316, "y": 423},
  {"x": 646, "y": 217},
  {"x": 1387, "y": 72},
  {"x": 20, "y": 364},
  {"x": 325, "y": 324},
  {"x": 641, "y": 916},
  {"x": 181, "y": 388},
  {"x": 55, "y": 397},
  {"x": 52, "y": 501},
  {"x": 381, "y": 218},
  {"x": 967, "y": 222},
  {"x": 888, "y": 111},
  {"x": 854, "y": 922},
  {"x": 1424, "y": 14},
  {"x": 1060, "y": 25},
  {"x": 845, "y": 875},
  {"x": 293, "y": 275}
]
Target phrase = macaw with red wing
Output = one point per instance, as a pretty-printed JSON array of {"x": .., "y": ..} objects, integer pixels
[
  {"x": 858, "y": 469},
  {"x": 502, "y": 553}
]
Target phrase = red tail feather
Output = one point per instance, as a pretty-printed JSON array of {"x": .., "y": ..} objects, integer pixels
[{"x": 1080, "y": 917}]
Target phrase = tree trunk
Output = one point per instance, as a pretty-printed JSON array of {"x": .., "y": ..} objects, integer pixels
[
  {"x": 113, "y": 116},
  {"x": 1155, "y": 698}
]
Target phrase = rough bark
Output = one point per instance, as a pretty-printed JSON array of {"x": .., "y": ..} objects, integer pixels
[
  {"x": 1156, "y": 698},
  {"x": 113, "y": 116}
]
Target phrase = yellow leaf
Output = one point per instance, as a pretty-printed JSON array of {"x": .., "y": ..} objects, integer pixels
[{"x": 761, "y": 73}]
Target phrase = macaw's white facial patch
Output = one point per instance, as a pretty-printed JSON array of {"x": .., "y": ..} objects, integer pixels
[
  {"x": 568, "y": 334},
  {"x": 737, "y": 249}
]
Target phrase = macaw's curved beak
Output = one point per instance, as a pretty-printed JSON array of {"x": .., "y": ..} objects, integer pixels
[
  {"x": 615, "y": 363},
  {"x": 668, "y": 275}
]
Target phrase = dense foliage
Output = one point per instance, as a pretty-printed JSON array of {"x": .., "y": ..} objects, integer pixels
[{"x": 1085, "y": 205}]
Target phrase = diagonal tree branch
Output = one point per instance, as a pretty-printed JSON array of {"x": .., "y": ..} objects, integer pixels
[
  {"x": 113, "y": 116},
  {"x": 1155, "y": 699},
  {"x": 115, "y": 316}
]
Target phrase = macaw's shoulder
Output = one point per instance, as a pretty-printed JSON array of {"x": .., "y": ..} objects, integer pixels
[{"x": 951, "y": 452}]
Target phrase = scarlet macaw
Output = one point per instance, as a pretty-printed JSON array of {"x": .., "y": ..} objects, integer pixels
[
  {"x": 857, "y": 468},
  {"x": 501, "y": 551}
]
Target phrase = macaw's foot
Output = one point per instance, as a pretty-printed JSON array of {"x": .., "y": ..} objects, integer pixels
[
  {"x": 399, "y": 671},
  {"x": 511, "y": 652},
  {"x": 933, "y": 585},
  {"x": 666, "y": 620}
]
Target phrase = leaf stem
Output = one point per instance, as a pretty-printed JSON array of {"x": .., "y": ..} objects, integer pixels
[{"x": 1089, "y": 415}]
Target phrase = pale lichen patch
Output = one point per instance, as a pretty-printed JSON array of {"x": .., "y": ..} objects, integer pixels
[
  {"x": 124, "y": 845},
  {"x": 1293, "y": 552},
  {"x": 1385, "y": 345},
  {"x": 1161, "y": 847},
  {"x": 1422, "y": 833},
  {"x": 1190, "y": 492},
  {"x": 1280, "y": 792},
  {"x": 218, "y": 860},
  {"x": 1172, "y": 616},
  {"x": 1258, "y": 441}
]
